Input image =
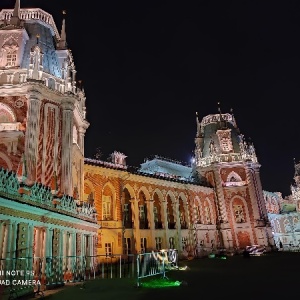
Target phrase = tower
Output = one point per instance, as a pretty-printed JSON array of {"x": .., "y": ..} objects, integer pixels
[
  {"x": 42, "y": 111},
  {"x": 295, "y": 187},
  {"x": 230, "y": 165}
]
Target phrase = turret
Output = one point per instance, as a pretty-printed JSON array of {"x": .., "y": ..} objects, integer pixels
[
  {"x": 230, "y": 165},
  {"x": 42, "y": 114}
]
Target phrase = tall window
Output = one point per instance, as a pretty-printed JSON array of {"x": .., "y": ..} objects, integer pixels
[
  {"x": 126, "y": 212},
  {"x": 106, "y": 208},
  {"x": 155, "y": 213},
  {"x": 158, "y": 243},
  {"x": 239, "y": 214},
  {"x": 11, "y": 58},
  {"x": 108, "y": 249},
  {"x": 143, "y": 245},
  {"x": 182, "y": 220},
  {"x": 207, "y": 215},
  {"x": 184, "y": 243},
  {"x": 127, "y": 246},
  {"x": 197, "y": 214},
  {"x": 171, "y": 243},
  {"x": 225, "y": 140},
  {"x": 142, "y": 212}
]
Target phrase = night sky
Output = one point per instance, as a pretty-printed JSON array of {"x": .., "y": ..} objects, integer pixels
[{"x": 147, "y": 67}]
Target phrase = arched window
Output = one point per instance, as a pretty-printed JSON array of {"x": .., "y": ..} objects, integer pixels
[
  {"x": 75, "y": 135},
  {"x": 9, "y": 53},
  {"x": 6, "y": 114},
  {"x": 106, "y": 208}
]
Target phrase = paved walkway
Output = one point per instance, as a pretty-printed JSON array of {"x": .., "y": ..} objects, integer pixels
[{"x": 273, "y": 276}]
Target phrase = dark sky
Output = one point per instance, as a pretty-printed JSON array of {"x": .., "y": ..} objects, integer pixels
[{"x": 148, "y": 66}]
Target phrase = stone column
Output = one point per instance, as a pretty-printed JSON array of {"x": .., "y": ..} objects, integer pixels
[
  {"x": 178, "y": 243},
  {"x": 69, "y": 242},
  {"x": 150, "y": 217},
  {"x": 136, "y": 224},
  {"x": 66, "y": 156},
  {"x": 73, "y": 244},
  {"x": 30, "y": 246},
  {"x": 2, "y": 236},
  {"x": 8, "y": 240},
  {"x": 38, "y": 242},
  {"x": 165, "y": 224},
  {"x": 81, "y": 135},
  {"x": 220, "y": 201},
  {"x": 5, "y": 239},
  {"x": 74, "y": 80},
  {"x": 62, "y": 251},
  {"x": 14, "y": 228},
  {"x": 49, "y": 236},
  {"x": 32, "y": 132}
]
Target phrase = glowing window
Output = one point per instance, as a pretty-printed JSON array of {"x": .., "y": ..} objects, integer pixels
[
  {"x": 158, "y": 243},
  {"x": 127, "y": 246},
  {"x": 11, "y": 58},
  {"x": 239, "y": 214},
  {"x": 143, "y": 245},
  {"x": 207, "y": 215},
  {"x": 108, "y": 249},
  {"x": 142, "y": 212},
  {"x": 106, "y": 208}
]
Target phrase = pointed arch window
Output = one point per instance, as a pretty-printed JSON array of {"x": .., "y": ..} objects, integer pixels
[
  {"x": 197, "y": 213},
  {"x": 207, "y": 215},
  {"x": 106, "y": 208},
  {"x": 234, "y": 179}
]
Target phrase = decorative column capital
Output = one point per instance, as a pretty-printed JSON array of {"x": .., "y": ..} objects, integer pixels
[
  {"x": 34, "y": 92},
  {"x": 68, "y": 103}
]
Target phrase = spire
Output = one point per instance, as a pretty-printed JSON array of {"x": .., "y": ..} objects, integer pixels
[
  {"x": 233, "y": 119},
  {"x": 222, "y": 122},
  {"x": 199, "y": 127},
  {"x": 15, "y": 19},
  {"x": 62, "y": 44},
  {"x": 297, "y": 168},
  {"x": 197, "y": 122},
  {"x": 22, "y": 169}
]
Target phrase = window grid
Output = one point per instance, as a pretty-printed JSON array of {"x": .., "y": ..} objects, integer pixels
[
  {"x": 158, "y": 243},
  {"x": 11, "y": 59}
]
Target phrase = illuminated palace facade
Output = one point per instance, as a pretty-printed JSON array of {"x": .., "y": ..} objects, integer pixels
[
  {"x": 55, "y": 203},
  {"x": 217, "y": 203},
  {"x": 42, "y": 130}
]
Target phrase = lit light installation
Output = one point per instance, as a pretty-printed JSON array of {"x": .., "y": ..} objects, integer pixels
[
  {"x": 157, "y": 263},
  {"x": 160, "y": 283}
]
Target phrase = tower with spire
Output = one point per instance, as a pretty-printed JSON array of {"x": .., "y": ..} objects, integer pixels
[
  {"x": 42, "y": 110},
  {"x": 230, "y": 166}
]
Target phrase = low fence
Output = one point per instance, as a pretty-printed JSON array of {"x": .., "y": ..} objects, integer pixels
[
  {"x": 42, "y": 273},
  {"x": 156, "y": 263}
]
